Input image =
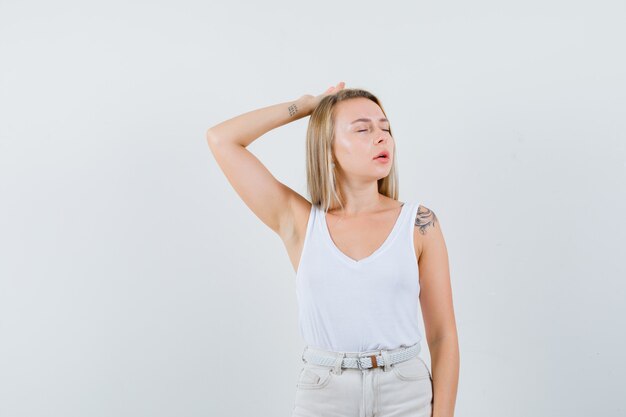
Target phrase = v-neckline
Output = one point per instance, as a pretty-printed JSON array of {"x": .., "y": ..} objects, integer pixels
[{"x": 390, "y": 236}]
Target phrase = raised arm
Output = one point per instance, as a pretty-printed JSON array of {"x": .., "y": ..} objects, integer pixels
[{"x": 268, "y": 198}]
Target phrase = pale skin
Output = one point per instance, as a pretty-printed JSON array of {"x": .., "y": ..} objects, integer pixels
[{"x": 362, "y": 226}]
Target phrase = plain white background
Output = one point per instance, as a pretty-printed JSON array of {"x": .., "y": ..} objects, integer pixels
[{"x": 135, "y": 282}]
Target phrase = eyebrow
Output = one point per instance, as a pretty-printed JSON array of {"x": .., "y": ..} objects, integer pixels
[{"x": 365, "y": 119}]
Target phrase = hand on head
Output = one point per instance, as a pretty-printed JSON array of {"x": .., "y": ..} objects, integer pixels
[{"x": 315, "y": 100}]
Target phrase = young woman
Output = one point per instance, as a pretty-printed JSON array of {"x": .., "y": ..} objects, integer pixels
[{"x": 364, "y": 261}]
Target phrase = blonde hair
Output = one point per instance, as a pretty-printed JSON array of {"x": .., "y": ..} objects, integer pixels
[{"x": 320, "y": 170}]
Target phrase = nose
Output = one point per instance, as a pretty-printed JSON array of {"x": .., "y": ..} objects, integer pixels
[{"x": 383, "y": 135}]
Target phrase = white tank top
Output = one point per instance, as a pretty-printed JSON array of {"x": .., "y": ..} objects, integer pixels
[{"x": 356, "y": 306}]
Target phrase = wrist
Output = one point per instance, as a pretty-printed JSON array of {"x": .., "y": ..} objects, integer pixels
[{"x": 304, "y": 105}]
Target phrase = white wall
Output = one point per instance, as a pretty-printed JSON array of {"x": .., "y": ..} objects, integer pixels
[{"x": 135, "y": 282}]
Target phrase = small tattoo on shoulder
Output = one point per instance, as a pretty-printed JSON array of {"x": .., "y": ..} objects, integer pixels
[
  {"x": 293, "y": 109},
  {"x": 425, "y": 217}
]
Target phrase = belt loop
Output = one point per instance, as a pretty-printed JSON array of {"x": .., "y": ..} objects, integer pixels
[
  {"x": 386, "y": 359},
  {"x": 303, "y": 352},
  {"x": 338, "y": 362}
]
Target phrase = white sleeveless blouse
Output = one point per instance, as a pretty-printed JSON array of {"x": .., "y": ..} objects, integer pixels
[{"x": 356, "y": 306}]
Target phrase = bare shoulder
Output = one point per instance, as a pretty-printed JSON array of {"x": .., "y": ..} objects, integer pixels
[
  {"x": 427, "y": 229},
  {"x": 425, "y": 220}
]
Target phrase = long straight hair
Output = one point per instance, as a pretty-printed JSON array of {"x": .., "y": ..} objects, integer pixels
[{"x": 320, "y": 161}]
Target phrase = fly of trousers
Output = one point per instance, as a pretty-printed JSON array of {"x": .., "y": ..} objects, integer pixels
[{"x": 403, "y": 389}]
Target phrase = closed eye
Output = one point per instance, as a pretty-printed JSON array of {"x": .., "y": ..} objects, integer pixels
[{"x": 365, "y": 130}]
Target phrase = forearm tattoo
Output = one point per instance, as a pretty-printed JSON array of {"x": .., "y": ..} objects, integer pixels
[
  {"x": 425, "y": 217},
  {"x": 293, "y": 109}
]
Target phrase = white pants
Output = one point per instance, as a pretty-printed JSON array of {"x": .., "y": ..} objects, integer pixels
[{"x": 404, "y": 390}]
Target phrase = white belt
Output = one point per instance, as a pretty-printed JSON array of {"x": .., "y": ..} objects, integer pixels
[{"x": 364, "y": 362}]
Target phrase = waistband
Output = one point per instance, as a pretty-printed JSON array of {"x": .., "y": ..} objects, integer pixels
[{"x": 359, "y": 360}]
